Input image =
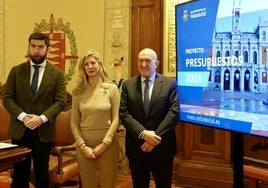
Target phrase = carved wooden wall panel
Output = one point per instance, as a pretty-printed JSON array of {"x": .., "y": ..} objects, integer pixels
[
  {"x": 256, "y": 147},
  {"x": 207, "y": 144},
  {"x": 205, "y": 159}
]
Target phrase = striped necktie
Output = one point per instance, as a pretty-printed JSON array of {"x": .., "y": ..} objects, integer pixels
[
  {"x": 35, "y": 79},
  {"x": 146, "y": 95}
]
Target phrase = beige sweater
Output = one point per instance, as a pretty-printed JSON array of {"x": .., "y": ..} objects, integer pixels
[{"x": 95, "y": 114}]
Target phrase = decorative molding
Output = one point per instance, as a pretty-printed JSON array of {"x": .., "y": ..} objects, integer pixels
[
  {"x": 2, "y": 43},
  {"x": 116, "y": 45},
  {"x": 172, "y": 38},
  {"x": 169, "y": 68}
]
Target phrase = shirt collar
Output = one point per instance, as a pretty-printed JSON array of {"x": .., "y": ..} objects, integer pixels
[
  {"x": 152, "y": 78},
  {"x": 43, "y": 64}
]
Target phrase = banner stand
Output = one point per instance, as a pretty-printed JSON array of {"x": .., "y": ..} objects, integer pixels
[{"x": 238, "y": 160}]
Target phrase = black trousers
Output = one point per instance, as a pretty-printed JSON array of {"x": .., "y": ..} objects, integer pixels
[
  {"x": 161, "y": 169},
  {"x": 40, "y": 157}
]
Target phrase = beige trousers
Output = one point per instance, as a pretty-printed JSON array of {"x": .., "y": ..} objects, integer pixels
[{"x": 105, "y": 166}]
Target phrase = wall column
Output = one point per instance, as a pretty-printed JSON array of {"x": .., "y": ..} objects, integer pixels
[{"x": 2, "y": 42}]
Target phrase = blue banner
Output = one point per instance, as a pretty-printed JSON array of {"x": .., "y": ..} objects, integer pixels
[{"x": 222, "y": 64}]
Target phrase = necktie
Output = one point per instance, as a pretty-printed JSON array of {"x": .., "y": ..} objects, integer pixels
[
  {"x": 146, "y": 95},
  {"x": 35, "y": 79}
]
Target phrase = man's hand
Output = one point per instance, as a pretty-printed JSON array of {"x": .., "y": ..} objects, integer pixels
[
  {"x": 147, "y": 147},
  {"x": 32, "y": 121},
  {"x": 151, "y": 137}
]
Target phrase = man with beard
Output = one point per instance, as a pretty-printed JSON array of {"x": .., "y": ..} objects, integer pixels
[{"x": 34, "y": 110}]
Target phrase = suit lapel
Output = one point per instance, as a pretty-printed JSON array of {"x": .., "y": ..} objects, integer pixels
[
  {"x": 25, "y": 77},
  {"x": 158, "y": 85},
  {"x": 138, "y": 93}
]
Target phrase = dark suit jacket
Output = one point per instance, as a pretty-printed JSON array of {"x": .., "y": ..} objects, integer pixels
[
  {"x": 162, "y": 117},
  {"x": 49, "y": 100}
]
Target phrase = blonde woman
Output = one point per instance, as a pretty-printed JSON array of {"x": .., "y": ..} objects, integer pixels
[{"x": 95, "y": 121}]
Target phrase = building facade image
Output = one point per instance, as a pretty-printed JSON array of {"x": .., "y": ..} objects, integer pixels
[{"x": 243, "y": 56}]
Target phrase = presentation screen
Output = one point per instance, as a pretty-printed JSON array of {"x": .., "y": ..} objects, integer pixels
[{"x": 222, "y": 64}]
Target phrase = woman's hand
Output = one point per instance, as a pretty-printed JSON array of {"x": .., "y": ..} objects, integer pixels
[
  {"x": 99, "y": 149},
  {"x": 88, "y": 152}
]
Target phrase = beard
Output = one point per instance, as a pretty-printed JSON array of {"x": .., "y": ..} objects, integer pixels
[{"x": 37, "y": 59}]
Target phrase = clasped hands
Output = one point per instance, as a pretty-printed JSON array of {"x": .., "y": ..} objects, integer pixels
[
  {"x": 93, "y": 153},
  {"x": 32, "y": 121},
  {"x": 151, "y": 140}
]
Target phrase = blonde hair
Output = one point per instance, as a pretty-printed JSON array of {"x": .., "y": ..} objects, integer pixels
[{"x": 83, "y": 78}]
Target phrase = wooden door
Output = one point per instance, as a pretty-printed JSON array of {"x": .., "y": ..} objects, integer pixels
[{"x": 146, "y": 30}]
